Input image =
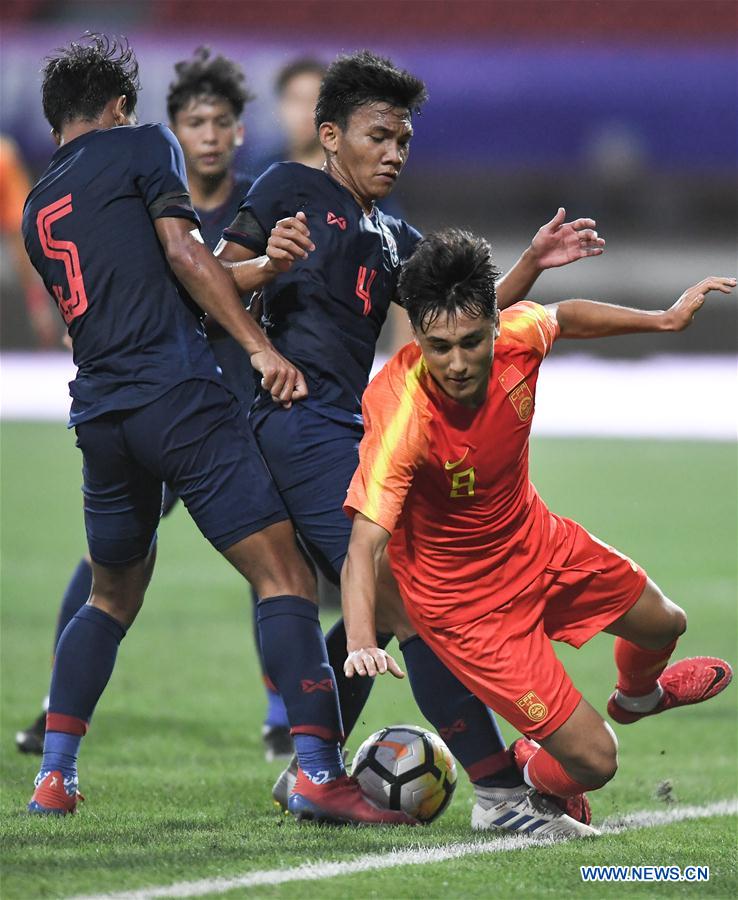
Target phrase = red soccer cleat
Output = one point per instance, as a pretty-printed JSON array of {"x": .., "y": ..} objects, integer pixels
[
  {"x": 339, "y": 802},
  {"x": 577, "y": 807},
  {"x": 685, "y": 682},
  {"x": 53, "y": 797}
]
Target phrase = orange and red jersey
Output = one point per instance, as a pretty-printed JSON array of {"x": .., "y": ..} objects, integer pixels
[
  {"x": 469, "y": 530},
  {"x": 14, "y": 186}
]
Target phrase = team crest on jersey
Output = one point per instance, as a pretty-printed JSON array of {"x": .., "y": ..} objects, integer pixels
[
  {"x": 533, "y": 706},
  {"x": 520, "y": 395}
]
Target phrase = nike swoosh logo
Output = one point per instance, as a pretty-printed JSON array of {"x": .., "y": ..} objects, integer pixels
[
  {"x": 719, "y": 675},
  {"x": 448, "y": 465}
]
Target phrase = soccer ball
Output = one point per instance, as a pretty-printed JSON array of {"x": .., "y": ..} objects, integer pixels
[{"x": 405, "y": 767}]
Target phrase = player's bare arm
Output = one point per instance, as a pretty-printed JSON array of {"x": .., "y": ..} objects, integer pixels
[
  {"x": 288, "y": 242},
  {"x": 358, "y": 599},
  {"x": 557, "y": 243},
  {"x": 590, "y": 319},
  {"x": 201, "y": 275}
]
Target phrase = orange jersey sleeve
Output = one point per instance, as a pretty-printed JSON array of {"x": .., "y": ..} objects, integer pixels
[
  {"x": 14, "y": 186},
  {"x": 395, "y": 440},
  {"x": 531, "y": 324}
]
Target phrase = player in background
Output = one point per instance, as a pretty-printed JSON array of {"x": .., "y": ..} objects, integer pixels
[
  {"x": 205, "y": 103},
  {"x": 489, "y": 576},
  {"x": 14, "y": 187},
  {"x": 111, "y": 228},
  {"x": 327, "y": 312}
]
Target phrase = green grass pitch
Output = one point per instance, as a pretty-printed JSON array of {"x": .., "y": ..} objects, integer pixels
[{"x": 177, "y": 788}]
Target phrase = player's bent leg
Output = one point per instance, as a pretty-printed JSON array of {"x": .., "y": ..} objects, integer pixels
[
  {"x": 76, "y": 594},
  {"x": 646, "y": 637},
  {"x": 652, "y": 622},
  {"x": 83, "y": 665},
  {"x": 581, "y": 755}
]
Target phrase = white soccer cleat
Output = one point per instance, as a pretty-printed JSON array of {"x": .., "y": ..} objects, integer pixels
[
  {"x": 532, "y": 815},
  {"x": 283, "y": 785}
]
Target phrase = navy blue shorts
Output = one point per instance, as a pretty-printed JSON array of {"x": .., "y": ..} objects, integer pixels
[
  {"x": 312, "y": 460},
  {"x": 197, "y": 439}
]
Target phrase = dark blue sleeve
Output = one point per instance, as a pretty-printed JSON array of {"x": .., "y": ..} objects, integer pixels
[
  {"x": 410, "y": 238},
  {"x": 271, "y": 198},
  {"x": 159, "y": 173}
]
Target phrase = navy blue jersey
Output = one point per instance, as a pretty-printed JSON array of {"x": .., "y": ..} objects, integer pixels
[
  {"x": 326, "y": 313},
  {"x": 213, "y": 221},
  {"x": 232, "y": 359},
  {"x": 88, "y": 226}
]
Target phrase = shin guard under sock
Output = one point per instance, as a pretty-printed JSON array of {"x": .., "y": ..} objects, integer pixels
[
  {"x": 639, "y": 669},
  {"x": 548, "y": 776},
  {"x": 296, "y": 662},
  {"x": 85, "y": 656},
  {"x": 352, "y": 692}
]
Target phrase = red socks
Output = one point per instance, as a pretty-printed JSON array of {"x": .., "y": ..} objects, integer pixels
[
  {"x": 548, "y": 776},
  {"x": 639, "y": 669}
]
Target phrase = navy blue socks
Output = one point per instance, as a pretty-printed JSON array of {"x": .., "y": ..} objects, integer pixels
[
  {"x": 353, "y": 693},
  {"x": 463, "y": 721},
  {"x": 295, "y": 660},
  {"x": 85, "y": 656}
]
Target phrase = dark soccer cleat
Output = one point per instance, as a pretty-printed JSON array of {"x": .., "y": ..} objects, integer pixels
[
  {"x": 277, "y": 742},
  {"x": 576, "y": 807},
  {"x": 688, "y": 681},
  {"x": 32, "y": 739},
  {"x": 54, "y": 795},
  {"x": 339, "y": 802}
]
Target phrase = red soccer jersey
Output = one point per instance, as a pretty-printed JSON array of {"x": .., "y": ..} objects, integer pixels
[{"x": 469, "y": 531}]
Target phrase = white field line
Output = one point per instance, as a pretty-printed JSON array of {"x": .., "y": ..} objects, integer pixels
[{"x": 323, "y": 869}]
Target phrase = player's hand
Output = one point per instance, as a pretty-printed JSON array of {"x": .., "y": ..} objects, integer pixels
[
  {"x": 371, "y": 661},
  {"x": 285, "y": 382},
  {"x": 558, "y": 242},
  {"x": 289, "y": 242},
  {"x": 680, "y": 315}
]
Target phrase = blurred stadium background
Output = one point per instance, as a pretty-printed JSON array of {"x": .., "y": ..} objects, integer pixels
[{"x": 623, "y": 110}]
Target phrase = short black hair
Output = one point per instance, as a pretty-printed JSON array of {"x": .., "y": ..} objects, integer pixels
[
  {"x": 306, "y": 65},
  {"x": 204, "y": 75},
  {"x": 361, "y": 78},
  {"x": 81, "y": 78},
  {"x": 449, "y": 271}
]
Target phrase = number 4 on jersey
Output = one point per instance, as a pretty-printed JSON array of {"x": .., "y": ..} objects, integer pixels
[
  {"x": 74, "y": 305},
  {"x": 364, "y": 281}
]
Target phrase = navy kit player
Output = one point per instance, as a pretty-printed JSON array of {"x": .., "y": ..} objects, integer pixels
[
  {"x": 148, "y": 402},
  {"x": 326, "y": 313},
  {"x": 205, "y": 103}
]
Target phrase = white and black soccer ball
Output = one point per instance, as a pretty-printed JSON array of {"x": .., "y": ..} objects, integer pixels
[{"x": 405, "y": 767}]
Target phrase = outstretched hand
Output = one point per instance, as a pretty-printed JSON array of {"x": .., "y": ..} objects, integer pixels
[
  {"x": 288, "y": 242},
  {"x": 371, "y": 661},
  {"x": 680, "y": 315},
  {"x": 558, "y": 242}
]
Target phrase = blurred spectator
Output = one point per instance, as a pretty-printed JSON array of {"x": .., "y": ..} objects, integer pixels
[{"x": 15, "y": 186}]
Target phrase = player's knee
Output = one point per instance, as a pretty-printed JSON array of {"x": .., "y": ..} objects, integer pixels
[
  {"x": 596, "y": 760},
  {"x": 679, "y": 622}
]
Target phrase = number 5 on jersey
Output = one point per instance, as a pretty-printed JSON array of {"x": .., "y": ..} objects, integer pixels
[{"x": 74, "y": 305}]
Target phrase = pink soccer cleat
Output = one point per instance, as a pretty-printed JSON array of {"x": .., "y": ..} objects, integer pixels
[
  {"x": 685, "y": 682},
  {"x": 54, "y": 795},
  {"x": 339, "y": 802}
]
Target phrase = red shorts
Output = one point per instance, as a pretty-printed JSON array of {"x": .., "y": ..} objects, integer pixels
[{"x": 506, "y": 657}]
